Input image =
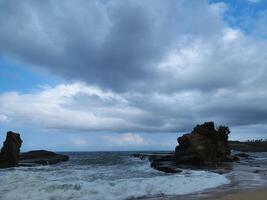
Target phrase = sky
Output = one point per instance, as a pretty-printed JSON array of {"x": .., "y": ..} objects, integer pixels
[{"x": 111, "y": 75}]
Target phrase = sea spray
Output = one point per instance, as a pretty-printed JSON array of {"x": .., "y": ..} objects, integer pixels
[{"x": 112, "y": 178}]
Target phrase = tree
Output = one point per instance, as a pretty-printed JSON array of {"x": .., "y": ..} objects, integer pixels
[{"x": 223, "y": 132}]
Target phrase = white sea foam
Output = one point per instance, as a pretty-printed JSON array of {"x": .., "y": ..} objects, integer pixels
[{"x": 25, "y": 185}]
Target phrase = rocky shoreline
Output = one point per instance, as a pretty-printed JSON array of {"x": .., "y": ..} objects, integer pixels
[
  {"x": 100, "y": 168},
  {"x": 10, "y": 155},
  {"x": 205, "y": 147}
]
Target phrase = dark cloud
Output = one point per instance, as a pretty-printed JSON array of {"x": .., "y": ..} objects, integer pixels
[
  {"x": 158, "y": 66},
  {"x": 115, "y": 44}
]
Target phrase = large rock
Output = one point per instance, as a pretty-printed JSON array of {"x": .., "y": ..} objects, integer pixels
[
  {"x": 10, "y": 151},
  {"x": 41, "y": 157},
  {"x": 205, "y": 144},
  {"x": 206, "y": 147}
]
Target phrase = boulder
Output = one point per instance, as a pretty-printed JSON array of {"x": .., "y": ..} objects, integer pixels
[
  {"x": 10, "y": 151},
  {"x": 205, "y": 144}
]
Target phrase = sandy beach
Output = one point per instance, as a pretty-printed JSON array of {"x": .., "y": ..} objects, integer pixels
[{"x": 254, "y": 195}]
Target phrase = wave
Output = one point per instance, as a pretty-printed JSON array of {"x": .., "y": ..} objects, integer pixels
[{"x": 28, "y": 185}]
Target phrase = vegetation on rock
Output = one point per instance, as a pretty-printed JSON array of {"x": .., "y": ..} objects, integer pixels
[{"x": 205, "y": 143}]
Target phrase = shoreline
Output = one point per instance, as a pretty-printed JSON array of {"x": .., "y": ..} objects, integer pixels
[
  {"x": 259, "y": 193},
  {"x": 256, "y": 194},
  {"x": 232, "y": 191}
]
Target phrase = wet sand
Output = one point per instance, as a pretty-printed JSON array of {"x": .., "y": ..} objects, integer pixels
[{"x": 255, "y": 195}]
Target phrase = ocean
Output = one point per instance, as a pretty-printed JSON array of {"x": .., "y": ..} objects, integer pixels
[{"x": 118, "y": 176}]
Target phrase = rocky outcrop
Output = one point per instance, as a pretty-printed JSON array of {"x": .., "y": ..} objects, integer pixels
[
  {"x": 206, "y": 147},
  {"x": 205, "y": 144},
  {"x": 10, "y": 151},
  {"x": 10, "y": 154},
  {"x": 41, "y": 157}
]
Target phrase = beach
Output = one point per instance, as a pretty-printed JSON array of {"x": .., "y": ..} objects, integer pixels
[{"x": 255, "y": 195}]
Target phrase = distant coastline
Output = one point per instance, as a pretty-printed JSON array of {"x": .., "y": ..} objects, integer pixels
[{"x": 249, "y": 146}]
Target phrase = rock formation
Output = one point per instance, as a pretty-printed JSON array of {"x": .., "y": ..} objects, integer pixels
[
  {"x": 10, "y": 154},
  {"x": 205, "y": 147},
  {"x": 205, "y": 144},
  {"x": 10, "y": 151}
]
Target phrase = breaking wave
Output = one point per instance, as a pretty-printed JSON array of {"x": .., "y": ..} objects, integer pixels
[{"x": 126, "y": 180}]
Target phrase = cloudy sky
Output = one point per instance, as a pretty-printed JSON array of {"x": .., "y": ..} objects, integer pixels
[{"x": 131, "y": 75}]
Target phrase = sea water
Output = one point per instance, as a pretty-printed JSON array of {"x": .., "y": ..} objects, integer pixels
[{"x": 101, "y": 176}]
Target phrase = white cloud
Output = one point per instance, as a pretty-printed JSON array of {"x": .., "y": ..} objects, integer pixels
[
  {"x": 80, "y": 142},
  {"x": 80, "y": 107},
  {"x": 231, "y": 35},
  {"x": 73, "y": 106},
  {"x": 125, "y": 139},
  {"x": 3, "y": 118}
]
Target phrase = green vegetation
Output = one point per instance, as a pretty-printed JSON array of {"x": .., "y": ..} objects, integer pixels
[
  {"x": 208, "y": 129},
  {"x": 223, "y": 133}
]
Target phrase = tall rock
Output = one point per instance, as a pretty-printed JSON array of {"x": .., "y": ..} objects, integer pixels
[
  {"x": 10, "y": 151},
  {"x": 204, "y": 144}
]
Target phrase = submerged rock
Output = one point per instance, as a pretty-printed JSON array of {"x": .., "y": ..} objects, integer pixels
[{"x": 10, "y": 151}]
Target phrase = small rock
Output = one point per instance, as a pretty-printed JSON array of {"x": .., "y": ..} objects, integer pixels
[
  {"x": 232, "y": 158},
  {"x": 242, "y": 155},
  {"x": 166, "y": 167}
]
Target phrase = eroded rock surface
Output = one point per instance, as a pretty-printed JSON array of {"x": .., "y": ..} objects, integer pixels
[
  {"x": 10, "y": 151},
  {"x": 205, "y": 144}
]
